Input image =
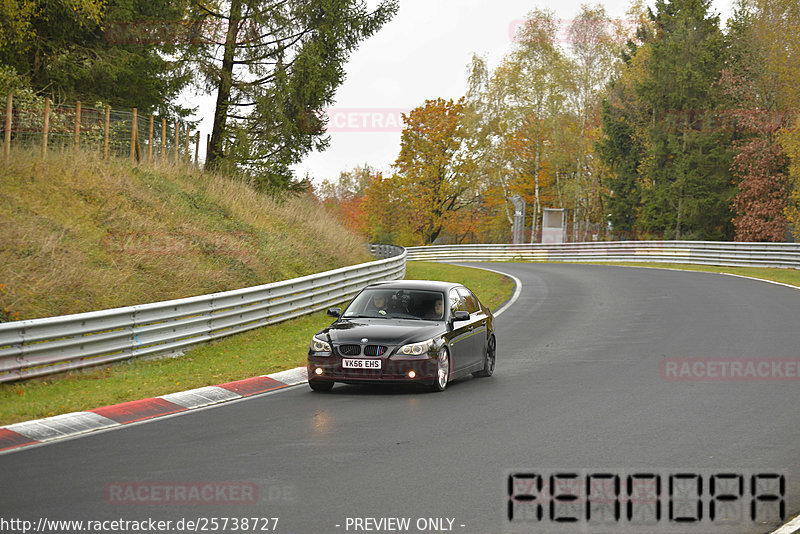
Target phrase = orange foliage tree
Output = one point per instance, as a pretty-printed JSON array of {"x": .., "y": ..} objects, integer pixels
[
  {"x": 436, "y": 178},
  {"x": 346, "y": 197}
]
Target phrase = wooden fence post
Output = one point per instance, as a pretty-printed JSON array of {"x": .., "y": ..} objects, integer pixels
[
  {"x": 163, "y": 140},
  {"x": 7, "y": 142},
  {"x": 208, "y": 145},
  {"x": 177, "y": 144},
  {"x": 105, "y": 132},
  {"x": 133, "y": 137},
  {"x": 150, "y": 142},
  {"x": 46, "y": 128},
  {"x": 186, "y": 146},
  {"x": 196, "y": 146},
  {"x": 77, "y": 124}
]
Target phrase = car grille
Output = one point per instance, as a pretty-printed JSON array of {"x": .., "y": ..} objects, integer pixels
[
  {"x": 374, "y": 350},
  {"x": 350, "y": 350}
]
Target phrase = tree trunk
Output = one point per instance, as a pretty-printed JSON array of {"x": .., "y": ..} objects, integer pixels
[
  {"x": 215, "y": 152},
  {"x": 558, "y": 188},
  {"x": 506, "y": 200},
  {"x": 536, "y": 206}
]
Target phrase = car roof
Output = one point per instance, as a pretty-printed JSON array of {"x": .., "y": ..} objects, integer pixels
[{"x": 433, "y": 285}]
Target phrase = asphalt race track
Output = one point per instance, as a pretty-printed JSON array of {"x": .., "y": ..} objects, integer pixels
[{"x": 581, "y": 385}]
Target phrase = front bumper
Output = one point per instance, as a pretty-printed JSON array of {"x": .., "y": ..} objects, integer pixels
[{"x": 393, "y": 369}]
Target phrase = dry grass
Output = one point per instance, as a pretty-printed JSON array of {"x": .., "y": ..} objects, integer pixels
[{"x": 80, "y": 234}]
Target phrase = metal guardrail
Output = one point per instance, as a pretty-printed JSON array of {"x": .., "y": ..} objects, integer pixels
[
  {"x": 731, "y": 254},
  {"x": 39, "y": 347},
  {"x": 385, "y": 251}
]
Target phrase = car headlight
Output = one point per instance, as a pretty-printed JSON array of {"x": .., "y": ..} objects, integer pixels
[
  {"x": 416, "y": 349},
  {"x": 319, "y": 345}
]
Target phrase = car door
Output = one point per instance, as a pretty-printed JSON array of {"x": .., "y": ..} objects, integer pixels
[
  {"x": 476, "y": 328},
  {"x": 459, "y": 338}
]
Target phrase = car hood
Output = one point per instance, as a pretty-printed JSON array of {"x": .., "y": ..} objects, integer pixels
[{"x": 382, "y": 331}]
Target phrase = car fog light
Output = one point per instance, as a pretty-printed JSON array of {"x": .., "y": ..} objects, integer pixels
[
  {"x": 411, "y": 374},
  {"x": 318, "y": 371}
]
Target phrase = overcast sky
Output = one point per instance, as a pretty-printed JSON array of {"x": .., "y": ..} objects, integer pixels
[{"x": 422, "y": 53}]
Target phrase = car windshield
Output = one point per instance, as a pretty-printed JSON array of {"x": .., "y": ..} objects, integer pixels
[{"x": 397, "y": 304}]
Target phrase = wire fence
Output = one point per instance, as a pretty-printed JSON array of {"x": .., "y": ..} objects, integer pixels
[{"x": 30, "y": 122}]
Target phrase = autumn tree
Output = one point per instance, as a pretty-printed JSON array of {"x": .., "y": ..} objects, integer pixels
[
  {"x": 790, "y": 141},
  {"x": 595, "y": 45},
  {"x": 510, "y": 111},
  {"x": 537, "y": 116},
  {"x": 534, "y": 79},
  {"x": 385, "y": 213},
  {"x": 434, "y": 171},
  {"x": 763, "y": 191},
  {"x": 776, "y": 27},
  {"x": 753, "y": 111},
  {"x": 346, "y": 196},
  {"x": 488, "y": 121}
]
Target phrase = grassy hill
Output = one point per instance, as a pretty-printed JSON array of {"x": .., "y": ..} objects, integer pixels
[{"x": 80, "y": 234}]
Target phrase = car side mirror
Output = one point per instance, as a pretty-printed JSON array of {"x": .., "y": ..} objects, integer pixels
[
  {"x": 334, "y": 312},
  {"x": 461, "y": 316}
]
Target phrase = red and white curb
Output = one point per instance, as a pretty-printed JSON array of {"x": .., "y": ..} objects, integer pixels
[{"x": 68, "y": 425}]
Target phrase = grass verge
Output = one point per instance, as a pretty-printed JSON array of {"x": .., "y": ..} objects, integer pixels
[
  {"x": 785, "y": 276},
  {"x": 260, "y": 351},
  {"x": 79, "y": 233}
]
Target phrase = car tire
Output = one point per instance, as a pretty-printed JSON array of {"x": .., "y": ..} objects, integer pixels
[
  {"x": 320, "y": 385},
  {"x": 489, "y": 360},
  {"x": 442, "y": 371}
]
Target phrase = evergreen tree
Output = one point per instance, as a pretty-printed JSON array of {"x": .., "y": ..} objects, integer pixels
[
  {"x": 623, "y": 146},
  {"x": 116, "y": 51},
  {"x": 274, "y": 70},
  {"x": 622, "y": 151},
  {"x": 688, "y": 191}
]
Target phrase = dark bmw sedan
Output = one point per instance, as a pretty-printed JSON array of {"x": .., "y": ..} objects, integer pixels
[{"x": 408, "y": 331}]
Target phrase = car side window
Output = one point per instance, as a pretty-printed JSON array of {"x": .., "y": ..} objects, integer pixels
[
  {"x": 456, "y": 303},
  {"x": 470, "y": 301}
]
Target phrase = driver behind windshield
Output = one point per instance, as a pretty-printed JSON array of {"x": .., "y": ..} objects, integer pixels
[{"x": 380, "y": 303}]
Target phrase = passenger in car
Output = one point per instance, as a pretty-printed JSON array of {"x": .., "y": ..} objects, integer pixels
[{"x": 436, "y": 312}]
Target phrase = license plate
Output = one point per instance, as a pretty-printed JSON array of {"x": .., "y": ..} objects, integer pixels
[{"x": 361, "y": 364}]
